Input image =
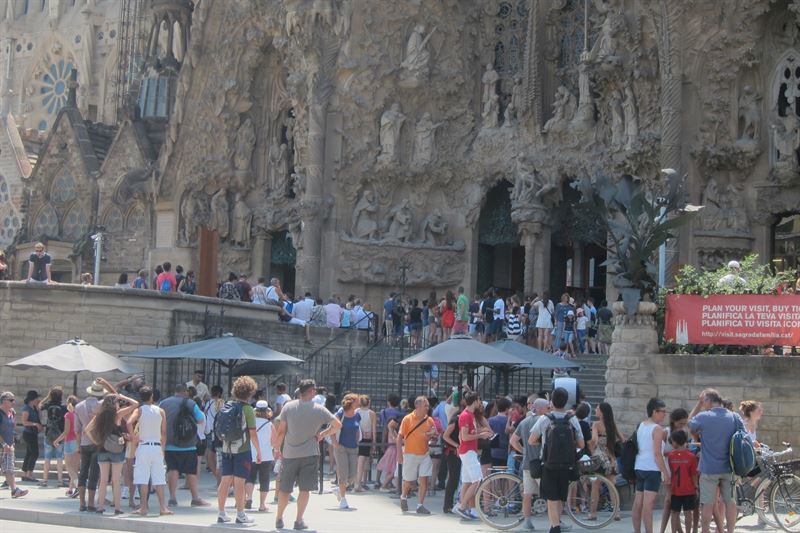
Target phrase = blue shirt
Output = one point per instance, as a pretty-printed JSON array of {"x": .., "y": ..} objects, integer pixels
[
  {"x": 498, "y": 425},
  {"x": 716, "y": 427},
  {"x": 561, "y": 311},
  {"x": 388, "y": 307},
  {"x": 348, "y": 435},
  {"x": 7, "y": 426},
  {"x": 441, "y": 413},
  {"x": 33, "y": 416}
]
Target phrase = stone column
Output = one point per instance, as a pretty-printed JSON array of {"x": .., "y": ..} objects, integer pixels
[
  {"x": 577, "y": 265},
  {"x": 541, "y": 265},
  {"x": 529, "y": 233},
  {"x": 261, "y": 256},
  {"x": 535, "y": 237}
]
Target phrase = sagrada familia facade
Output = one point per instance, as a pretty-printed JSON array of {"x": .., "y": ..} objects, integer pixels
[{"x": 354, "y": 146}]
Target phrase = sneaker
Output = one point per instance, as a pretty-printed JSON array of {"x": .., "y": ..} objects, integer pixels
[
  {"x": 242, "y": 518},
  {"x": 125, "y": 493},
  {"x": 564, "y": 527},
  {"x": 473, "y": 515},
  {"x": 555, "y": 529},
  {"x": 19, "y": 493},
  {"x": 422, "y": 510},
  {"x": 528, "y": 525},
  {"x": 172, "y": 503},
  {"x": 300, "y": 525},
  {"x": 279, "y": 523},
  {"x": 223, "y": 518},
  {"x": 343, "y": 504},
  {"x": 462, "y": 513},
  {"x": 404, "y": 505}
]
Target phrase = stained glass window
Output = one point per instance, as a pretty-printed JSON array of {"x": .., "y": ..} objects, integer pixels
[
  {"x": 54, "y": 86},
  {"x": 63, "y": 189},
  {"x": 75, "y": 223},
  {"x": 46, "y": 222},
  {"x": 136, "y": 219},
  {"x": 114, "y": 221},
  {"x": 510, "y": 32}
]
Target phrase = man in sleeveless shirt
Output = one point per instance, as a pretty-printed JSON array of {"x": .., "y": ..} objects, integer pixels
[{"x": 151, "y": 439}]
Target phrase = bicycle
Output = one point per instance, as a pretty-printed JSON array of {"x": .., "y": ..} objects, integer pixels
[
  {"x": 784, "y": 496},
  {"x": 499, "y": 499},
  {"x": 752, "y": 494}
]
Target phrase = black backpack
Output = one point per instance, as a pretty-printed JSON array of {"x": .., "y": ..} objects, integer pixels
[
  {"x": 560, "y": 444},
  {"x": 55, "y": 423},
  {"x": 184, "y": 427},
  {"x": 630, "y": 449},
  {"x": 228, "y": 424}
]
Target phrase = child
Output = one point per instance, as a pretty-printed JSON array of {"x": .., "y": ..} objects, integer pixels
[
  {"x": 261, "y": 472},
  {"x": 581, "y": 326},
  {"x": 684, "y": 484}
]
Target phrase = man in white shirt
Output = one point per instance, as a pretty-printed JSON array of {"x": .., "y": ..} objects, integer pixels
[
  {"x": 302, "y": 309},
  {"x": 199, "y": 386},
  {"x": 281, "y": 398}
]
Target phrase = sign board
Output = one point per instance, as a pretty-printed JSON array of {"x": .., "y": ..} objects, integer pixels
[{"x": 741, "y": 319}]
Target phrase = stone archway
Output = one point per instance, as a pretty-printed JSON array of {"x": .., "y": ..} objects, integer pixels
[
  {"x": 500, "y": 258},
  {"x": 283, "y": 258}
]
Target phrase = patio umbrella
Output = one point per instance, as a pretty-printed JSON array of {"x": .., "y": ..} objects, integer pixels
[
  {"x": 74, "y": 356},
  {"x": 462, "y": 350},
  {"x": 534, "y": 358},
  {"x": 267, "y": 368}
]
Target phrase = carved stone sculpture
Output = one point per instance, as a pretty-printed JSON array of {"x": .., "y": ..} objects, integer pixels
[
  {"x": 524, "y": 190},
  {"x": 605, "y": 48},
  {"x": 631, "y": 112},
  {"x": 194, "y": 212},
  {"x": 564, "y": 107},
  {"x": 220, "y": 213},
  {"x": 489, "y": 80},
  {"x": 584, "y": 117},
  {"x": 416, "y": 65},
  {"x": 365, "y": 214},
  {"x": 786, "y": 140},
  {"x": 391, "y": 126},
  {"x": 491, "y": 111},
  {"x": 278, "y": 166},
  {"x": 242, "y": 221},
  {"x": 513, "y": 107},
  {"x": 749, "y": 115},
  {"x": 617, "y": 120},
  {"x": 724, "y": 209},
  {"x": 245, "y": 142},
  {"x": 400, "y": 228},
  {"x": 434, "y": 229},
  {"x": 425, "y": 141}
]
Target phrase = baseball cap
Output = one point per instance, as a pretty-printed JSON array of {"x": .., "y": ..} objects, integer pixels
[
  {"x": 262, "y": 404},
  {"x": 540, "y": 403},
  {"x": 570, "y": 313}
]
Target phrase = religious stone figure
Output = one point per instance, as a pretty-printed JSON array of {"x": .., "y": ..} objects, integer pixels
[
  {"x": 289, "y": 123},
  {"x": 415, "y": 66},
  {"x": 490, "y": 78},
  {"x": 365, "y": 225},
  {"x": 749, "y": 114},
  {"x": 425, "y": 141},
  {"x": 512, "y": 109},
  {"x": 563, "y": 110},
  {"x": 245, "y": 142},
  {"x": 242, "y": 219},
  {"x": 434, "y": 229},
  {"x": 491, "y": 111},
  {"x": 584, "y": 117},
  {"x": 617, "y": 120},
  {"x": 786, "y": 140},
  {"x": 278, "y": 165},
  {"x": 605, "y": 47},
  {"x": 400, "y": 222},
  {"x": 711, "y": 216},
  {"x": 631, "y": 113},
  {"x": 524, "y": 190},
  {"x": 194, "y": 212},
  {"x": 391, "y": 126},
  {"x": 220, "y": 213}
]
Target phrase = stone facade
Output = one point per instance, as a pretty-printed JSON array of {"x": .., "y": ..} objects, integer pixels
[{"x": 371, "y": 138}]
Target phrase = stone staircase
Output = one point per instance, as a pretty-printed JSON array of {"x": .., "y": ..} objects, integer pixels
[{"x": 592, "y": 377}]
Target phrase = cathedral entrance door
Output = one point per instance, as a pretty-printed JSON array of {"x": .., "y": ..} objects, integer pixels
[
  {"x": 786, "y": 242},
  {"x": 209, "y": 253},
  {"x": 500, "y": 258},
  {"x": 282, "y": 261}
]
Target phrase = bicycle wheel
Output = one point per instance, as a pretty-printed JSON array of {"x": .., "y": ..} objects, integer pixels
[
  {"x": 785, "y": 501},
  {"x": 592, "y": 494},
  {"x": 761, "y": 504},
  {"x": 498, "y": 501}
]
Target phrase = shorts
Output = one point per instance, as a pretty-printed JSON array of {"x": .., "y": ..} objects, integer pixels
[
  {"x": 261, "y": 472},
  {"x": 7, "y": 461},
  {"x": 529, "y": 485},
  {"x": 302, "y": 471},
  {"x": 346, "y": 464},
  {"x": 485, "y": 456},
  {"x": 149, "y": 466},
  {"x": 365, "y": 448},
  {"x": 709, "y": 484},
  {"x": 648, "y": 480},
  {"x": 185, "y": 462},
  {"x": 568, "y": 335},
  {"x": 683, "y": 503},
  {"x": 416, "y": 326},
  {"x": 499, "y": 462},
  {"x": 470, "y": 467},
  {"x": 460, "y": 327},
  {"x": 53, "y": 452},
  {"x": 555, "y": 484},
  {"x": 237, "y": 464},
  {"x": 416, "y": 466},
  {"x": 495, "y": 326},
  {"x": 113, "y": 458},
  {"x": 201, "y": 447},
  {"x": 70, "y": 447}
]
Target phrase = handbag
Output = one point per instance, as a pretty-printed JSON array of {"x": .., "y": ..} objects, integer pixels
[{"x": 114, "y": 443}]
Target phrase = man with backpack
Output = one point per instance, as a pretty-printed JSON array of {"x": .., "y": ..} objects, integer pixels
[
  {"x": 235, "y": 426},
  {"x": 561, "y": 437},
  {"x": 531, "y": 453},
  {"x": 183, "y": 417},
  {"x": 716, "y": 426},
  {"x": 166, "y": 281}
]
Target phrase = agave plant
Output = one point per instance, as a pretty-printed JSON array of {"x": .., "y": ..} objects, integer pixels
[{"x": 638, "y": 216}]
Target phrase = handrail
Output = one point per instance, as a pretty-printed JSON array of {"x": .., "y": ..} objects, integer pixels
[{"x": 338, "y": 336}]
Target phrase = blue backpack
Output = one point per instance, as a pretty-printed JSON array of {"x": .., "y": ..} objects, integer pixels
[
  {"x": 742, "y": 452},
  {"x": 165, "y": 286}
]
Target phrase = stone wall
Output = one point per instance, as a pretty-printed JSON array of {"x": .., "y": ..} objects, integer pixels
[
  {"x": 678, "y": 380},
  {"x": 34, "y": 318}
]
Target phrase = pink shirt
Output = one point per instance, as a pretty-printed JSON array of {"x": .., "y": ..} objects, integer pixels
[
  {"x": 71, "y": 435},
  {"x": 467, "y": 420},
  {"x": 333, "y": 315}
]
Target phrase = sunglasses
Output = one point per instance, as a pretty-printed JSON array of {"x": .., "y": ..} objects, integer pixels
[{"x": 10, "y": 400}]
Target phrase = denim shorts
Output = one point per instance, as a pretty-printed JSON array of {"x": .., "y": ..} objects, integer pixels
[
  {"x": 113, "y": 458},
  {"x": 53, "y": 452},
  {"x": 648, "y": 480},
  {"x": 70, "y": 446}
]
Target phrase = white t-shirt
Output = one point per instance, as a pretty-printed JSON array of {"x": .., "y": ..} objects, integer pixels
[
  {"x": 264, "y": 429},
  {"x": 581, "y": 322},
  {"x": 302, "y": 309},
  {"x": 499, "y": 309},
  {"x": 282, "y": 399}
]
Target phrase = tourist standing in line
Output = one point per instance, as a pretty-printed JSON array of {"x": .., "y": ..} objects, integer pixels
[
  {"x": 544, "y": 321},
  {"x": 31, "y": 424},
  {"x": 297, "y": 434},
  {"x": 605, "y": 437},
  {"x": 366, "y": 446},
  {"x": 89, "y": 469},
  {"x": 141, "y": 280},
  {"x": 452, "y": 462},
  {"x": 651, "y": 469},
  {"x": 415, "y": 432},
  {"x": 684, "y": 476},
  {"x": 471, "y": 474},
  {"x": 345, "y": 446},
  {"x": 200, "y": 387},
  {"x": 71, "y": 451},
  {"x": 39, "y": 264},
  {"x": 751, "y": 412},
  {"x": 54, "y": 427},
  {"x": 166, "y": 281},
  {"x": 211, "y": 410},
  {"x": 7, "y": 414},
  {"x": 188, "y": 285},
  {"x": 447, "y": 309},
  {"x": 461, "y": 326},
  {"x": 150, "y": 442},
  {"x": 262, "y": 471},
  {"x": 530, "y": 453}
]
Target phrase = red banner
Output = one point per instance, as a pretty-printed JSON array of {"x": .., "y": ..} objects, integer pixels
[{"x": 746, "y": 319}]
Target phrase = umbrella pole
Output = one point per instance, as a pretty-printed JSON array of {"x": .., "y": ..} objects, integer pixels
[
  {"x": 75, "y": 384},
  {"x": 231, "y": 363}
]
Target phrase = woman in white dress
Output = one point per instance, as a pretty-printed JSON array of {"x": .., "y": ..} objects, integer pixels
[{"x": 545, "y": 321}]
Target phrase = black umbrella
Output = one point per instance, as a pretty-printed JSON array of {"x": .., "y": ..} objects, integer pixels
[
  {"x": 534, "y": 358},
  {"x": 267, "y": 368},
  {"x": 463, "y": 351}
]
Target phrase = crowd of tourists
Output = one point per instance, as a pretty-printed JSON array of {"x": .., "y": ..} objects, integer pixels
[{"x": 126, "y": 436}]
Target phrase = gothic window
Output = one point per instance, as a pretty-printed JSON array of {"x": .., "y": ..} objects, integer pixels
[
  {"x": 9, "y": 219},
  {"x": 136, "y": 219},
  {"x": 510, "y": 30},
  {"x": 63, "y": 189},
  {"x": 572, "y": 31},
  {"x": 75, "y": 223},
  {"x": 114, "y": 221},
  {"x": 54, "y": 86},
  {"x": 46, "y": 222},
  {"x": 4, "y": 192},
  {"x": 788, "y": 85}
]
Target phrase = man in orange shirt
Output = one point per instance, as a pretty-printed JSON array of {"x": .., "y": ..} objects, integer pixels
[{"x": 416, "y": 430}]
